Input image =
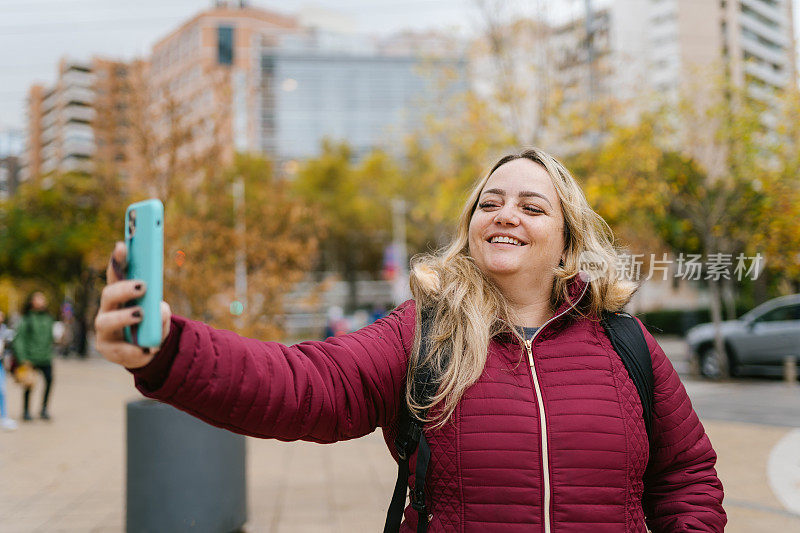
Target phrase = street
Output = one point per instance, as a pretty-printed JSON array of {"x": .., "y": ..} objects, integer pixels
[{"x": 68, "y": 475}]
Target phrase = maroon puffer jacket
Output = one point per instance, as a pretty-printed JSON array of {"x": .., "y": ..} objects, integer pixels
[{"x": 488, "y": 471}]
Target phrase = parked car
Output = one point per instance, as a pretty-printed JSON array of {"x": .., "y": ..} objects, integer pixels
[{"x": 756, "y": 343}]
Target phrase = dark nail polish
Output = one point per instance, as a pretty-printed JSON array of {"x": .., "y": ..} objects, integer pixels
[
  {"x": 146, "y": 350},
  {"x": 138, "y": 286},
  {"x": 137, "y": 313}
]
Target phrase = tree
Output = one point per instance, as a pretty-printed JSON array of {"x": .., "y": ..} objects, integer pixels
[
  {"x": 57, "y": 230},
  {"x": 701, "y": 173},
  {"x": 351, "y": 208},
  {"x": 202, "y": 241}
]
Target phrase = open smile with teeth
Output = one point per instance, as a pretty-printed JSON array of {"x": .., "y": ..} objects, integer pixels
[{"x": 506, "y": 240}]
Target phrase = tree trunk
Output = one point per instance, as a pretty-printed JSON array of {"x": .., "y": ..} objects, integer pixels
[
  {"x": 84, "y": 296},
  {"x": 729, "y": 297},
  {"x": 716, "y": 318},
  {"x": 760, "y": 288}
]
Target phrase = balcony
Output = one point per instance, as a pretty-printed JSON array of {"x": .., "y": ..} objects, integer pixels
[
  {"x": 48, "y": 165},
  {"x": 663, "y": 11},
  {"x": 79, "y": 147},
  {"x": 76, "y": 163},
  {"x": 767, "y": 74},
  {"x": 77, "y": 112},
  {"x": 764, "y": 9},
  {"x": 776, "y": 35},
  {"x": 78, "y": 94},
  {"x": 761, "y": 51},
  {"x": 48, "y": 119},
  {"x": 77, "y": 78},
  {"x": 48, "y": 134},
  {"x": 761, "y": 93},
  {"x": 50, "y": 101}
]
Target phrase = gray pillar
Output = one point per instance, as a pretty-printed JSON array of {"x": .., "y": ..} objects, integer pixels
[{"x": 182, "y": 474}]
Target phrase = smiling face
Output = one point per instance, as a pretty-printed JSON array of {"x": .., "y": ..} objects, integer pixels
[{"x": 517, "y": 229}]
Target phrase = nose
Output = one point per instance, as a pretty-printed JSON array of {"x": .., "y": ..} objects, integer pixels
[{"x": 506, "y": 217}]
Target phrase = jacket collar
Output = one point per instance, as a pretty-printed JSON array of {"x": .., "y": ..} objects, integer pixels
[{"x": 577, "y": 287}]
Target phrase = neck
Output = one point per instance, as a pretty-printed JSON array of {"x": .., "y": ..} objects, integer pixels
[{"x": 529, "y": 300}]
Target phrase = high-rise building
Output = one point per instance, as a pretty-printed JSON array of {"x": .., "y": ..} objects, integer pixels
[
  {"x": 206, "y": 74},
  {"x": 64, "y": 133},
  {"x": 661, "y": 44}
]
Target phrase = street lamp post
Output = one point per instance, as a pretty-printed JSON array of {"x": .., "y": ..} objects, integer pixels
[
  {"x": 400, "y": 291},
  {"x": 240, "y": 284}
]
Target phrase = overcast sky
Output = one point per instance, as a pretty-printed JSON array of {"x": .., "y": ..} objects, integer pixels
[{"x": 34, "y": 34}]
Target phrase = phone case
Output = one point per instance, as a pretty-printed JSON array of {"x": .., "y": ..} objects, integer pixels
[{"x": 144, "y": 237}]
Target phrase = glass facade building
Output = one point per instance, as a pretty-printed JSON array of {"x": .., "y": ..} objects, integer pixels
[{"x": 367, "y": 100}]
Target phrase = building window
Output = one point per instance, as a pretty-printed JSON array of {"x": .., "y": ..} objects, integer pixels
[{"x": 225, "y": 45}]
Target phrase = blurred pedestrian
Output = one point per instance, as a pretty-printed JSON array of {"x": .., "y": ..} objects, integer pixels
[
  {"x": 67, "y": 337},
  {"x": 33, "y": 345},
  {"x": 337, "y": 323},
  {"x": 6, "y": 335}
]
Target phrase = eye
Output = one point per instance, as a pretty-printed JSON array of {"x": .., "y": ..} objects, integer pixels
[
  {"x": 488, "y": 205},
  {"x": 533, "y": 209}
]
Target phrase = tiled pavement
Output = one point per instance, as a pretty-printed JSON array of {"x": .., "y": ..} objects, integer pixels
[{"x": 68, "y": 474}]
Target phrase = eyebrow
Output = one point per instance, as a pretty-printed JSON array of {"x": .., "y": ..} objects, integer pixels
[{"x": 522, "y": 194}]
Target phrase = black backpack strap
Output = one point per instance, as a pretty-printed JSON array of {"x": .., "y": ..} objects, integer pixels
[
  {"x": 628, "y": 341},
  {"x": 410, "y": 435}
]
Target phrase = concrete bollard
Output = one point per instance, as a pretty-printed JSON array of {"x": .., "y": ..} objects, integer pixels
[
  {"x": 790, "y": 369},
  {"x": 182, "y": 474}
]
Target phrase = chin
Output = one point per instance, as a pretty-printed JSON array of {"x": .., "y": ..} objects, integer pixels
[{"x": 500, "y": 268}]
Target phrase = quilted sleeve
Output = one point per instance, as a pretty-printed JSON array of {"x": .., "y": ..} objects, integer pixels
[
  {"x": 681, "y": 489},
  {"x": 321, "y": 391}
]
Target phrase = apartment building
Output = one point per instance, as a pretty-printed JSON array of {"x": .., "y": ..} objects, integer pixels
[
  {"x": 64, "y": 133},
  {"x": 206, "y": 73}
]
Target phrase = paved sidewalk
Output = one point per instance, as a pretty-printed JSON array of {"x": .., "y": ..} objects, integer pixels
[{"x": 67, "y": 475}]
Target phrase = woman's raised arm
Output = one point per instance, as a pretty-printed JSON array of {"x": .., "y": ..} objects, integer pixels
[{"x": 321, "y": 391}]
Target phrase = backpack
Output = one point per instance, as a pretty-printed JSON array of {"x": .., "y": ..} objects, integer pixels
[{"x": 628, "y": 341}]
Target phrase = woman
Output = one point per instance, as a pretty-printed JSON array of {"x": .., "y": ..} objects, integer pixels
[
  {"x": 557, "y": 445},
  {"x": 33, "y": 345}
]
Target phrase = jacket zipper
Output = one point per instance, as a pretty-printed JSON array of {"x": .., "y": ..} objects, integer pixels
[{"x": 542, "y": 419}]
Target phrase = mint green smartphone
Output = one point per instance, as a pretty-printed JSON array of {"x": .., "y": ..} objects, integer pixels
[{"x": 144, "y": 237}]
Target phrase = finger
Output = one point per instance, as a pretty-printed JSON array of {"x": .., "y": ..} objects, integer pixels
[
  {"x": 117, "y": 263},
  {"x": 109, "y": 324},
  {"x": 124, "y": 353},
  {"x": 116, "y": 294},
  {"x": 166, "y": 316}
]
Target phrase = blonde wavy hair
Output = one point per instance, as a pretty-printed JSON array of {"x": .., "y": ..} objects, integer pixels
[{"x": 467, "y": 309}]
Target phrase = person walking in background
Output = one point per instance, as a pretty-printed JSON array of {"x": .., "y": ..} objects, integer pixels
[
  {"x": 6, "y": 335},
  {"x": 33, "y": 344}
]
